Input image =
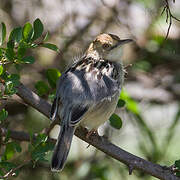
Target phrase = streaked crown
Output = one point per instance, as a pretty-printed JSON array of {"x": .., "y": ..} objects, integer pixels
[{"x": 106, "y": 46}]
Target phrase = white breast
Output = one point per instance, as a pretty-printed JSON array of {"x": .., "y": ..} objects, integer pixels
[{"x": 100, "y": 113}]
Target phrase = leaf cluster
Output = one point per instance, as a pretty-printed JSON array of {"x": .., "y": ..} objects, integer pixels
[
  {"x": 14, "y": 50},
  {"x": 39, "y": 147}
]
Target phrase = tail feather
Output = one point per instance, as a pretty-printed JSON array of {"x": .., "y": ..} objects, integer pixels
[{"x": 62, "y": 148}]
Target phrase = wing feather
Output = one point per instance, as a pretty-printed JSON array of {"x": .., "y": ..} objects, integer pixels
[{"x": 78, "y": 89}]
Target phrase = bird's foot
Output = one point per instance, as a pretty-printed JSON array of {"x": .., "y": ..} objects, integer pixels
[{"x": 92, "y": 131}]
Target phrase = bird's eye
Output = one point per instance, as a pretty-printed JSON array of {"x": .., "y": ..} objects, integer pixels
[{"x": 106, "y": 46}]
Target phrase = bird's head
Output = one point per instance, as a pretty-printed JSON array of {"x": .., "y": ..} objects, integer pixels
[{"x": 106, "y": 46}]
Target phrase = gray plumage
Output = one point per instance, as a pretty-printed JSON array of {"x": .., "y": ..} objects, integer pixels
[
  {"x": 79, "y": 93},
  {"x": 87, "y": 93}
]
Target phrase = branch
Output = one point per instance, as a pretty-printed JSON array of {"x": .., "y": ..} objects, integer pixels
[
  {"x": 132, "y": 161},
  {"x": 33, "y": 100},
  {"x": 169, "y": 16}
]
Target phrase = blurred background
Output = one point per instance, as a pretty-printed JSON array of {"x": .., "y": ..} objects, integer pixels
[{"x": 152, "y": 81}]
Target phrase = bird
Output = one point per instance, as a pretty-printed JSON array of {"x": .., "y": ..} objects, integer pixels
[{"x": 87, "y": 92}]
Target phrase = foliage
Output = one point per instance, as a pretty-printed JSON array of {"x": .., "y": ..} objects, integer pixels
[
  {"x": 15, "y": 53},
  {"x": 39, "y": 147},
  {"x": 177, "y": 166},
  {"x": 115, "y": 121},
  {"x": 3, "y": 115},
  {"x": 20, "y": 40}
]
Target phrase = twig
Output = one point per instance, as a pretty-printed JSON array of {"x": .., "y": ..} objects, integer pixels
[
  {"x": 12, "y": 171},
  {"x": 169, "y": 16}
]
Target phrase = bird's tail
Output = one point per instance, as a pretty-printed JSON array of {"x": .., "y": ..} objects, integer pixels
[{"x": 62, "y": 147}]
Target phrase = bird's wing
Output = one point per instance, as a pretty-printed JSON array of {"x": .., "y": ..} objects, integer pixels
[
  {"x": 73, "y": 112},
  {"x": 78, "y": 90}
]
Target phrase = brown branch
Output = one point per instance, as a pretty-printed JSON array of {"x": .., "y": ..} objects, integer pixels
[
  {"x": 100, "y": 143},
  {"x": 33, "y": 100},
  {"x": 18, "y": 135}
]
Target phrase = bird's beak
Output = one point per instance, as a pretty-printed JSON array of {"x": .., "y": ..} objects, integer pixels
[{"x": 122, "y": 42}]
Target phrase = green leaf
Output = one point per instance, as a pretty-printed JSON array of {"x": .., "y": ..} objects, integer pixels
[
  {"x": 9, "y": 151},
  {"x": 41, "y": 138},
  {"x": 52, "y": 76},
  {"x": 132, "y": 106},
  {"x": 178, "y": 174},
  {"x": 41, "y": 150},
  {"x": 10, "y": 44},
  {"x": 38, "y": 29},
  {"x": 14, "y": 78},
  {"x": 124, "y": 95},
  {"x": 27, "y": 32},
  {"x": 1, "y": 69},
  {"x": 28, "y": 60},
  {"x": 46, "y": 37},
  {"x": 22, "y": 48},
  {"x": 4, "y": 76},
  {"x": 1, "y": 172},
  {"x": 16, "y": 34},
  {"x": 9, "y": 88},
  {"x": 7, "y": 137},
  {"x": 42, "y": 88},
  {"x": 159, "y": 39},
  {"x": 52, "y": 96},
  {"x": 11, "y": 81},
  {"x": 17, "y": 147},
  {"x": 1, "y": 52},
  {"x": 177, "y": 164},
  {"x": 10, "y": 54},
  {"x": 3, "y": 114},
  {"x": 121, "y": 103},
  {"x": 115, "y": 121},
  {"x": 50, "y": 46},
  {"x": 21, "y": 52},
  {"x": 3, "y": 33}
]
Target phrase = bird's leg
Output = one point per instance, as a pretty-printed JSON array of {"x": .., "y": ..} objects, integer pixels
[{"x": 92, "y": 131}]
